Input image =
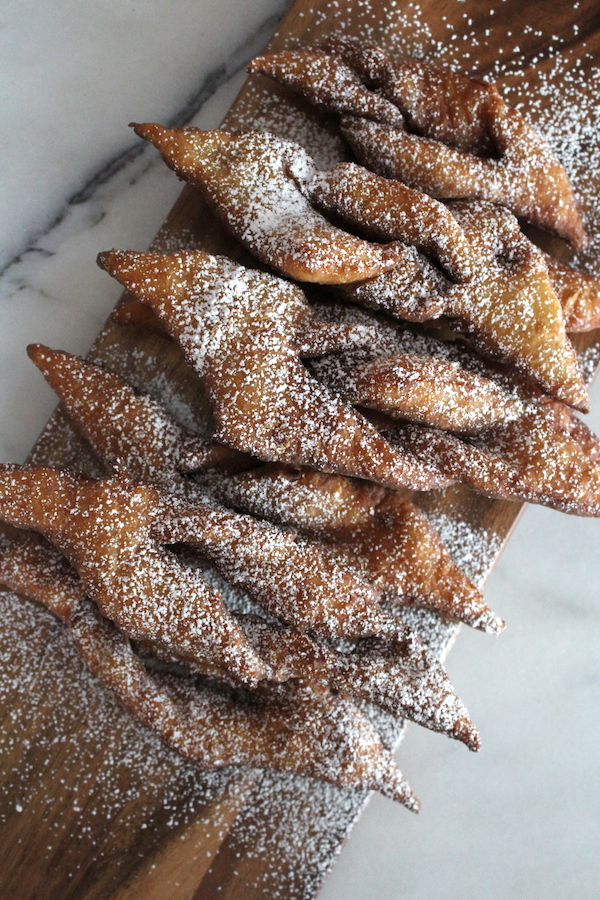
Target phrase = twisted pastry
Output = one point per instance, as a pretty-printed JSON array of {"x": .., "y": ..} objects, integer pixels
[
  {"x": 377, "y": 533},
  {"x": 237, "y": 329},
  {"x": 457, "y": 138},
  {"x": 114, "y": 533},
  {"x": 504, "y": 300},
  {"x": 308, "y": 733}
]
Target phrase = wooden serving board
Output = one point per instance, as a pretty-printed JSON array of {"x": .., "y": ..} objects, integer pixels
[{"x": 92, "y": 805}]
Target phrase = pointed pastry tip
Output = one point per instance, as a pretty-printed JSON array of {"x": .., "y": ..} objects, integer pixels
[
  {"x": 256, "y": 64},
  {"x": 401, "y": 793},
  {"x": 390, "y": 782},
  {"x": 575, "y": 394},
  {"x": 110, "y": 260},
  {"x": 170, "y": 142},
  {"x": 489, "y": 623},
  {"x": 148, "y": 130},
  {"x": 247, "y": 667},
  {"x": 39, "y": 354},
  {"x": 102, "y": 258},
  {"x": 47, "y": 359},
  {"x": 413, "y": 804},
  {"x": 465, "y": 731}
]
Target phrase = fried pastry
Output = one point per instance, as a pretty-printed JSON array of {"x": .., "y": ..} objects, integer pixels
[
  {"x": 150, "y": 594},
  {"x": 374, "y": 531},
  {"x": 376, "y": 671},
  {"x": 33, "y": 567},
  {"x": 434, "y": 100},
  {"x": 418, "y": 567},
  {"x": 406, "y": 680},
  {"x": 423, "y": 571},
  {"x": 290, "y": 578},
  {"x": 314, "y": 336},
  {"x": 236, "y": 327},
  {"x": 459, "y": 139},
  {"x": 546, "y": 456},
  {"x": 397, "y": 674},
  {"x": 415, "y": 290},
  {"x": 264, "y": 217},
  {"x": 430, "y": 390},
  {"x": 127, "y": 427},
  {"x": 328, "y": 739},
  {"x": 508, "y": 306},
  {"x": 322, "y": 737},
  {"x": 254, "y": 183},
  {"x": 423, "y": 389},
  {"x": 104, "y": 529},
  {"x": 387, "y": 210},
  {"x": 328, "y": 82},
  {"x": 511, "y": 440},
  {"x": 309, "y": 733}
]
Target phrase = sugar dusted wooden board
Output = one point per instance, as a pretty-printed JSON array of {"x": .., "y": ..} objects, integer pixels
[{"x": 92, "y": 805}]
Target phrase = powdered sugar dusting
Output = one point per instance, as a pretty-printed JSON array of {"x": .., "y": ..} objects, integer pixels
[
  {"x": 311, "y": 822},
  {"x": 134, "y": 763}
]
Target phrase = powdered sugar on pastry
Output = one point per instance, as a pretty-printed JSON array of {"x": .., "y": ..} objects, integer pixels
[{"x": 237, "y": 328}]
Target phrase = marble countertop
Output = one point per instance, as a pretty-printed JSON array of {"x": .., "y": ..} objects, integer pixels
[{"x": 522, "y": 817}]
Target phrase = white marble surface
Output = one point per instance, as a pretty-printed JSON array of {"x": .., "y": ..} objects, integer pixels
[{"x": 520, "y": 819}]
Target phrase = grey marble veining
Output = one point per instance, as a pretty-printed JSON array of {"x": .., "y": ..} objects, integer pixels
[{"x": 520, "y": 819}]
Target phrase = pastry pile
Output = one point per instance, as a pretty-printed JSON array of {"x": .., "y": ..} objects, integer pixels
[{"x": 242, "y": 592}]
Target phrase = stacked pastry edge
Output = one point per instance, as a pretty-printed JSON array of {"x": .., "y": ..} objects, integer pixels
[{"x": 325, "y": 413}]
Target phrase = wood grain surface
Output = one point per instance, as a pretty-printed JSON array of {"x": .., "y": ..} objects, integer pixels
[{"x": 92, "y": 805}]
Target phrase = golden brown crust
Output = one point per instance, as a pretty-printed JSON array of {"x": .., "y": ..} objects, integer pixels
[
  {"x": 399, "y": 674},
  {"x": 114, "y": 534},
  {"x": 458, "y": 138},
  {"x": 128, "y": 428},
  {"x": 293, "y": 580},
  {"x": 388, "y": 210},
  {"x": 105, "y": 529},
  {"x": 422, "y": 389},
  {"x": 542, "y": 196},
  {"x": 434, "y": 100},
  {"x": 371, "y": 530},
  {"x": 268, "y": 208},
  {"x": 319, "y": 735},
  {"x": 579, "y": 295},
  {"x": 326, "y": 81},
  {"x": 509, "y": 306},
  {"x": 546, "y": 456},
  {"x": 492, "y": 304},
  {"x": 254, "y": 183},
  {"x": 78, "y": 382},
  {"x": 33, "y": 567},
  {"x": 237, "y": 328}
]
